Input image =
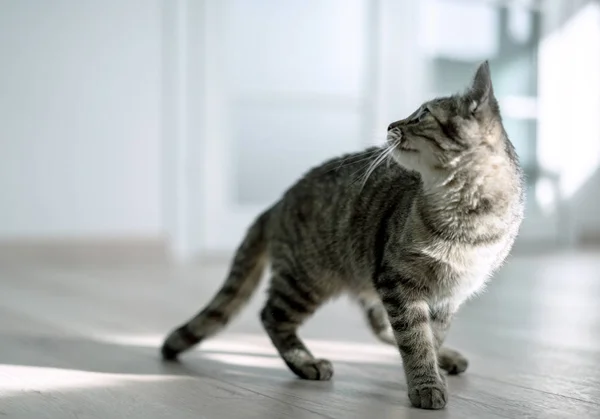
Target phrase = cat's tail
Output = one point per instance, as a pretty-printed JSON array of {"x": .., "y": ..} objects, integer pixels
[{"x": 243, "y": 279}]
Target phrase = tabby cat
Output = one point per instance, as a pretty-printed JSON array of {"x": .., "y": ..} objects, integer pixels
[{"x": 437, "y": 212}]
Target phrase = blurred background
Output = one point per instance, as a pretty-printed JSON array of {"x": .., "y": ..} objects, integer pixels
[
  {"x": 139, "y": 138},
  {"x": 176, "y": 122}
]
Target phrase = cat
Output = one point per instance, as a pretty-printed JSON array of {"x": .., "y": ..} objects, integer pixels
[{"x": 437, "y": 213}]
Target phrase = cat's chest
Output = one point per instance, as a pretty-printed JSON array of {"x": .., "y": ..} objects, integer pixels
[{"x": 462, "y": 270}]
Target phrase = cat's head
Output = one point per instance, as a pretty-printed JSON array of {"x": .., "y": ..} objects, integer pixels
[{"x": 445, "y": 132}]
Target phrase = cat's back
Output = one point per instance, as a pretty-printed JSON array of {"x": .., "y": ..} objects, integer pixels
[
  {"x": 345, "y": 183},
  {"x": 339, "y": 205},
  {"x": 351, "y": 174}
]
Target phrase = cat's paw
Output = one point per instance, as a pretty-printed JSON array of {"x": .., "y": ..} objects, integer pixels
[
  {"x": 452, "y": 361},
  {"x": 429, "y": 396},
  {"x": 313, "y": 369}
]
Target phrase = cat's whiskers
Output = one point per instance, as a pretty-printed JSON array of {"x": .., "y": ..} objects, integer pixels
[
  {"x": 381, "y": 148},
  {"x": 385, "y": 153},
  {"x": 364, "y": 166},
  {"x": 367, "y": 155}
]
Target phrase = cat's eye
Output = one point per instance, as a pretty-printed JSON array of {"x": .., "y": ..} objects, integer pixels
[{"x": 422, "y": 114}]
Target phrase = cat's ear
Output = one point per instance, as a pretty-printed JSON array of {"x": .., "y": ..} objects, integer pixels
[{"x": 480, "y": 96}]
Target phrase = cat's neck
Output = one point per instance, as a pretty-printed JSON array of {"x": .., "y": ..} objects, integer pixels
[{"x": 476, "y": 186}]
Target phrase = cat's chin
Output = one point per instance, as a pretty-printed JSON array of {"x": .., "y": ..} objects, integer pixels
[{"x": 406, "y": 159}]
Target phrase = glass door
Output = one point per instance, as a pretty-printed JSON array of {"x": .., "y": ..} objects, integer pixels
[{"x": 289, "y": 91}]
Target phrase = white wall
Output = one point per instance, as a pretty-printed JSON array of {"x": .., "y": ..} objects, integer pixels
[{"x": 80, "y": 114}]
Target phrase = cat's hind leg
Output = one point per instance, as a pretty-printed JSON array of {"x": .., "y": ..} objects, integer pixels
[
  {"x": 377, "y": 318},
  {"x": 450, "y": 360},
  {"x": 290, "y": 302}
]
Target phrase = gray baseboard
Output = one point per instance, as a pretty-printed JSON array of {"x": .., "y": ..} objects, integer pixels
[
  {"x": 71, "y": 252},
  {"x": 589, "y": 239},
  {"x": 137, "y": 251}
]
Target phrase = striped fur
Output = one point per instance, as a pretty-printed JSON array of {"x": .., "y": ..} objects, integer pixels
[
  {"x": 411, "y": 240},
  {"x": 243, "y": 279}
]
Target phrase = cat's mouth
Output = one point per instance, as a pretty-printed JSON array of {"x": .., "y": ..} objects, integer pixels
[
  {"x": 404, "y": 147},
  {"x": 396, "y": 139},
  {"x": 400, "y": 142}
]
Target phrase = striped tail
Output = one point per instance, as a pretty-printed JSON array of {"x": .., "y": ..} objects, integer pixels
[{"x": 243, "y": 279}]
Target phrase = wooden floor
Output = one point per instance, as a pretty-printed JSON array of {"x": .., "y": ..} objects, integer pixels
[{"x": 82, "y": 342}]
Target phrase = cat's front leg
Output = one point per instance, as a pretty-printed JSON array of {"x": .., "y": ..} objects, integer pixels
[{"x": 408, "y": 312}]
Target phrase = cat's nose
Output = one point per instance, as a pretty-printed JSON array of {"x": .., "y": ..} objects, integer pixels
[{"x": 394, "y": 125}]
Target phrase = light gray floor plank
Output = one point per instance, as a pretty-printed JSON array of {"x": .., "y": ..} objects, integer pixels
[{"x": 82, "y": 342}]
